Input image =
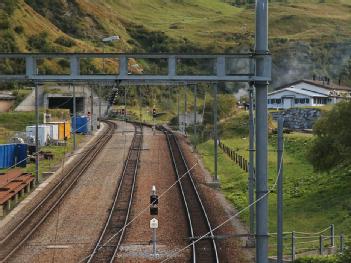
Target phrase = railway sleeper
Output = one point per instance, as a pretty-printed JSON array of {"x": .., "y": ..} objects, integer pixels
[{"x": 202, "y": 238}]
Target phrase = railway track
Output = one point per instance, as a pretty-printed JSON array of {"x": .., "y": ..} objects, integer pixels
[
  {"x": 111, "y": 237},
  {"x": 13, "y": 240},
  {"x": 199, "y": 224}
]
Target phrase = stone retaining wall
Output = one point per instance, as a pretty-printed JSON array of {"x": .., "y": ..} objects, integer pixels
[{"x": 298, "y": 118}]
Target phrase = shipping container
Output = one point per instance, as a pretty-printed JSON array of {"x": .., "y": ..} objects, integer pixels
[
  {"x": 82, "y": 124},
  {"x": 21, "y": 155},
  {"x": 7, "y": 155},
  {"x": 54, "y": 131},
  {"x": 13, "y": 155},
  {"x": 43, "y": 133},
  {"x": 64, "y": 129}
]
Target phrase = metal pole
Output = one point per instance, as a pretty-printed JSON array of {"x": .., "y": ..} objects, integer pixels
[
  {"x": 99, "y": 105},
  {"x": 195, "y": 113},
  {"x": 141, "y": 105},
  {"x": 74, "y": 124},
  {"x": 178, "y": 102},
  {"x": 261, "y": 135},
  {"x": 342, "y": 243},
  {"x": 332, "y": 235},
  {"x": 154, "y": 250},
  {"x": 125, "y": 103},
  {"x": 280, "y": 191},
  {"x": 92, "y": 108},
  {"x": 251, "y": 162},
  {"x": 215, "y": 131},
  {"x": 185, "y": 108},
  {"x": 169, "y": 99},
  {"x": 37, "y": 180},
  {"x": 293, "y": 248}
]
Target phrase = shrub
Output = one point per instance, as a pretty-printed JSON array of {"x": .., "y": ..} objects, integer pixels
[
  {"x": 19, "y": 29},
  {"x": 7, "y": 42},
  {"x": 41, "y": 43},
  {"x": 63, "y": 41}
]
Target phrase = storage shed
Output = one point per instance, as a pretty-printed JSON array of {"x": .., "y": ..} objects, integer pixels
[
  {"x": 43, "y": 133},
  {"x": 64, "y": 129}
]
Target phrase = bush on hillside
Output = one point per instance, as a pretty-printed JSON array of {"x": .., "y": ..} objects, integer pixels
[
  {"x": 332, "y": 145},
  {"x": 64, "y": 41},
  {"x": 9, "y": 6},
  {"x": 40, "y": 42},
  {"x": 226, "y": 108},
  {"x": 8, "y": 42}
]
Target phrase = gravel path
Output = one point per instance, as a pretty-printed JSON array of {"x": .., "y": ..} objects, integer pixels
[
  {"x": 155, "y": 169},
  {"x": 70, "y": 232}
]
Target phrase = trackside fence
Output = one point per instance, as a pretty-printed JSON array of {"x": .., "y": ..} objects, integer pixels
[
  {"x": 298, "y": 244},
  {"x": 235, "y": 156}
]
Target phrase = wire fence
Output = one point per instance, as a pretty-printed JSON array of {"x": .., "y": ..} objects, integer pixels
[{"x": 297, "y": 244}]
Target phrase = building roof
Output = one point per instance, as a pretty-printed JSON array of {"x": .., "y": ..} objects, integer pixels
[
  {"x": 317, "y": 83},
  {"x": 300, "y": 91},
  {"x": 7, "y": 97}
]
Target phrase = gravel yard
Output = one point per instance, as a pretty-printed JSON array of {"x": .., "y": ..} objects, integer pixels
[
  {"x": 71, "y": 230},
  {"x": 156, "y": 169}
]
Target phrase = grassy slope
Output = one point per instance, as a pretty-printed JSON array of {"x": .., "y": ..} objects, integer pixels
[
  {"x": 204, "y": 22},
  {"x": 312, "y": 200}
]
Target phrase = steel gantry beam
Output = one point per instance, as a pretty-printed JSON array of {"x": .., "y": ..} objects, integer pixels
[{"x": 211, "y": 68}]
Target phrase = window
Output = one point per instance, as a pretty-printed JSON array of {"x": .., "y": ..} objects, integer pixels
[
  {"x": 279, "y": 101},
  {"x": 273, "y": 101},
  {"x": 302, "y": 101},
  {"x": 307, "y": 101},
  {"x": 296, "y": 101}
]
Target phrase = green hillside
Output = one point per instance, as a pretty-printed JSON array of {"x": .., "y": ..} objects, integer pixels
[{"x": 306, "y": 37}]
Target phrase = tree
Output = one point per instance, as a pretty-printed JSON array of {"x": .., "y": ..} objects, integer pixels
[{"x": 332, "y": 145}]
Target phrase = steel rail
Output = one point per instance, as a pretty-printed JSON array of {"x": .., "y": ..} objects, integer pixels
[
  {"x": 196, "y": 248},
  {"x": 106, "y": 239},
  {"x": 79, "y": 168}
]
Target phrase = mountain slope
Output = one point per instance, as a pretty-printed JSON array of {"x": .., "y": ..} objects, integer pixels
[{"x": 306, "y": 28}]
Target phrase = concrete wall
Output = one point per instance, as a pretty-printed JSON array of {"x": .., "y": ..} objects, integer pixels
[{"x": 298, "y": 118}]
